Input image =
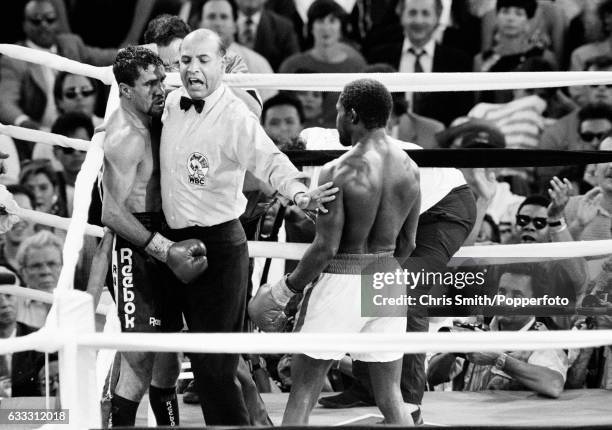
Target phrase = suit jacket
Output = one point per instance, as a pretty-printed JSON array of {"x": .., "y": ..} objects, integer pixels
[
  {"x": 442, "y": 106},
  {"x": 420, "y": 130},
  {"x": 275, "y": 38},
  {"x": 23, "y": 85},
  {"x": 25, "y": 366}
]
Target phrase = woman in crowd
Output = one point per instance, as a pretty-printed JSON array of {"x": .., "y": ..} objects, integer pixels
[
  {"x": 326, "y": 23},
  {"x": 513, "y": 46},
  {"x": 41, "y": 180}
]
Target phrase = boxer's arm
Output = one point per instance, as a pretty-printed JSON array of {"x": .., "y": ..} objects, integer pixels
[
  {"x": 122, "y": 157},
  {"x": 325, "y": 246}
]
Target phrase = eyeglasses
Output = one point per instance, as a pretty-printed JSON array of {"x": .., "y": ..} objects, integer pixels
[
  {"x": 601, "y": 85},
  {"x": 588, "y": 136},
  {"x": 72, "y": 93},
  {"x": 38, "y": 21},
  {"x": 523, "y": 220}
]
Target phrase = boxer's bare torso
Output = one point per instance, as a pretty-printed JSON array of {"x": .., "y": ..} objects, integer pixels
[{"x": 380, "y": 195}]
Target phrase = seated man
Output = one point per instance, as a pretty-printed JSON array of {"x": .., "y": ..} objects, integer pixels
[
  {"x": 377, "y": 208},
  {"x": 541, "y": 371}
]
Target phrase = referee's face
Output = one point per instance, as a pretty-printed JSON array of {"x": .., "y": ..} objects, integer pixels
[{"x": 201, "y": 66}]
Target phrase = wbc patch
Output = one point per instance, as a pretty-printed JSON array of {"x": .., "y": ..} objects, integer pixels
[{"x": 197, "y": 168}]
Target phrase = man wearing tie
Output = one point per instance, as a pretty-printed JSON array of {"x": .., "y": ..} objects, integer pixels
[
  {"x": 209, "y": 140},
  {"x": 265, "y": 32},
  {"x": 420, "y": 53}
]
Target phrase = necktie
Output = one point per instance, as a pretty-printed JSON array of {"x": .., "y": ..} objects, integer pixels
[
  {"x": 248, "y": 33},
  {"x": 418, "y": 67},
  {"x": 186, "y": 103}
]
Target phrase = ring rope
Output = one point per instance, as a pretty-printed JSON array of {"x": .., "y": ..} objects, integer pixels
[
  {"x": 415, "y": 82},
  {"x": 38, "y": 136},
  {"x": 39, "y": 296},
  {"x": 276, "y": 343}
]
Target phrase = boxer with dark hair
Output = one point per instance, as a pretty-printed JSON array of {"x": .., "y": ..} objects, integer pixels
[
  {"x": 372, "y": 222},
  {"x": 132, "y": 209}
]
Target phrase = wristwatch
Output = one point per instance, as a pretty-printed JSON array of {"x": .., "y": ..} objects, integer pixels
[{"x": 500, "y": 362}]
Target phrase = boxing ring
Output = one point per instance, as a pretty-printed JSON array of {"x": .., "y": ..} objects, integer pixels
[{"x": 70, "y": 326}]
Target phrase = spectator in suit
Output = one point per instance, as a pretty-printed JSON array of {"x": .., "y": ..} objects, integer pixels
[
  {"x": 265, "y": 32},
  {"x": 19, "y": 372},
  {"x": 419, "y": 52},
  {"x": 405, "y": 125},
  {"x": 221, "y": 16},
  {"x": 27, "y": 88}
]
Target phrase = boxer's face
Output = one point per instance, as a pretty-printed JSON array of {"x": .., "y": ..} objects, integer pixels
[
  {"x": 147, "y": 94},
  {"x": 202, "y": 66}
]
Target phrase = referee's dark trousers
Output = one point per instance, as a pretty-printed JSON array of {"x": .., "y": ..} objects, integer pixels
[{"x": 215, "y": 302}]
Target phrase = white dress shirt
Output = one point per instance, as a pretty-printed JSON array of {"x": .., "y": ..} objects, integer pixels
[
  {"x": 408, "y": 60},
  {"x": 204, "y": 158}
]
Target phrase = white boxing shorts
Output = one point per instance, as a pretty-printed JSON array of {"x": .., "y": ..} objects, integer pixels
[{"x": 332, "y": 304}]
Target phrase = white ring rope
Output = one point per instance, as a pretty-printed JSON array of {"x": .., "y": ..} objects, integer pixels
[
  {"x": 104, "y": 74},
  {"x": 38, "y": 136},
  {"x": 335, "y": 81},
  {"x": 277, "y": 343},
  {"x": 38, "y": 295}
]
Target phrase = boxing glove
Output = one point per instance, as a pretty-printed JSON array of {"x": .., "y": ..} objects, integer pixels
[
  {"x": 267, "y": 308},
  {"x": 187, "y": 259}
]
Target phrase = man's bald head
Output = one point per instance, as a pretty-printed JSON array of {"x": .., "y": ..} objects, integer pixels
[
  {"x": 202, "y": 63},
  {"x": 205, "y": 35}
]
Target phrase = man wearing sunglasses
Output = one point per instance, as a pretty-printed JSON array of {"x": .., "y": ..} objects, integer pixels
[
  {"x": 594, "y": 124},
  {"x": 27, "y": 88},
  {"x": 540, "y": 219}
]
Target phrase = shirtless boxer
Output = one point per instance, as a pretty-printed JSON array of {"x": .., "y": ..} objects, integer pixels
[
  {"x": 374, "y": 218},
  {"x": 132, "y": 209}
]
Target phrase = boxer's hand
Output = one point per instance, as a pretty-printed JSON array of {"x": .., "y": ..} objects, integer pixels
[
  {"x": 314, "y": 199},
  {"x": 187, "y": 259},
  {"x": 267, "y": 308}
]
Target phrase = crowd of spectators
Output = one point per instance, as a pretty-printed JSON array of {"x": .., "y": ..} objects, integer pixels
[{"x": 523, "y": 205}]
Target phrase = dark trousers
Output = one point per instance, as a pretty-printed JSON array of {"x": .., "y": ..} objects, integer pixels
[
  {"x": 216, "y": 302},
  {"x": 440, "y": 233}
]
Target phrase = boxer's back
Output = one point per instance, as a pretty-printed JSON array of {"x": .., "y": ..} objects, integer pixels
[{"x": 380, "y": 186}]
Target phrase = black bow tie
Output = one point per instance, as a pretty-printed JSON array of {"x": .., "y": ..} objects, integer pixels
[{"x": 186, "y": 103}]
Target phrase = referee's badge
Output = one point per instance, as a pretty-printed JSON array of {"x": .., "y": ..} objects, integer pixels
[{"x": 197, "y": 167}]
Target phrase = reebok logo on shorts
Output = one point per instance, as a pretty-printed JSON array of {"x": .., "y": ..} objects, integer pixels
[{"x": 127, "y": 285}]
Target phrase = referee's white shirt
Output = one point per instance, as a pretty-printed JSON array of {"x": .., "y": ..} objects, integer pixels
[{"x": 204, "y": 157}]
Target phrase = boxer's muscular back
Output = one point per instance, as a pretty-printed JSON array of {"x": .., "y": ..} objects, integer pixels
[
  {"x": 380, "y": 187},
  {"x": 131, "y": 168}
]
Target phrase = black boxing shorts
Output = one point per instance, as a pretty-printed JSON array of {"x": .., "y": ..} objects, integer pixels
[{"x": 141, "y": 287}]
